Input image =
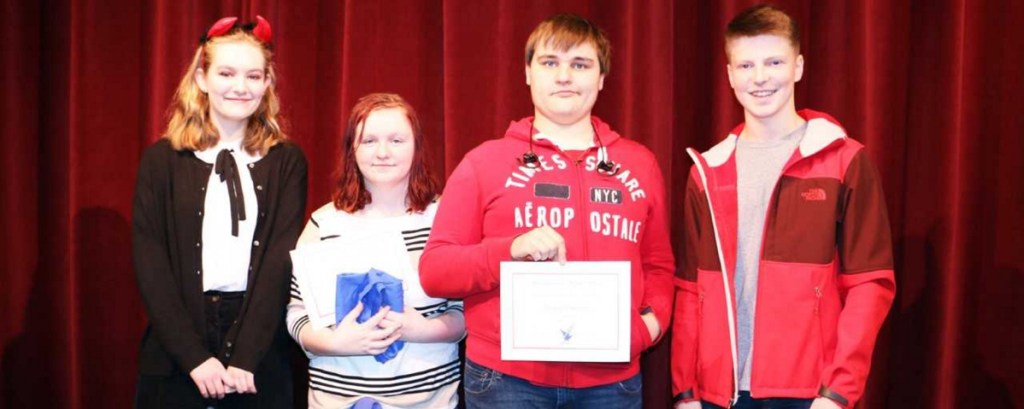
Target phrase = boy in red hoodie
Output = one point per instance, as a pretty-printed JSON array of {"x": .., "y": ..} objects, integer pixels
[{"x": 560, "y": 185}]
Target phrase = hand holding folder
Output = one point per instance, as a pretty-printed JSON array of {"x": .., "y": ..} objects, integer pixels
[{"x": 375, "y": 289}]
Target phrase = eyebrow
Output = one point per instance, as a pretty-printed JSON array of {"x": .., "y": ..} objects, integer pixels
[
  {"x": 386, "y": 136},
  {"x": 770, "y": 57},
  {"x": 233, "y": 68},
  {"x": 555, "y": 57}
]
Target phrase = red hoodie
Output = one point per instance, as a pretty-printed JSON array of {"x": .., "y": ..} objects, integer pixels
[
  {"x": 825, "y": 280},
  {"x": 490, "y": 199}
]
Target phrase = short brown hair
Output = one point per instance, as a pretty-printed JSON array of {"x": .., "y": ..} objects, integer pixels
[
  {"x": 763, "y": 19},
  {"x": 350, "y": 192},
  {"x": 564, "y": 31}
]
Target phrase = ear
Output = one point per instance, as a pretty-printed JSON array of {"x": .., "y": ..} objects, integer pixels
[
  {"x": 200, "y": 78},
  {"x": 799, "y": 68},
  {"x": 526, "y": 70},
  {"x": 600, "y": 82},
  {"x": 728, "y": 71}
]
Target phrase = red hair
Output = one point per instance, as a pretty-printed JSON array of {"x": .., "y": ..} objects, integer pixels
[{"x": 350, "y": 192}]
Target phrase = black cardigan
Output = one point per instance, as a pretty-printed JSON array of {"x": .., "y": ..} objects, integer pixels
[{"x": 167, "y": 220}]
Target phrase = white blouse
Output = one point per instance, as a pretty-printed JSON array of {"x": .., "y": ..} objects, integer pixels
[{"x": 226, "y": 257}]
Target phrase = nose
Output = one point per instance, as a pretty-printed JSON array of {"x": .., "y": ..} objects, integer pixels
[
  {"x": 760, "y": 74},
  {"x": 563, "y": 73},
  {"x": 239, "y": 86},
  {"x": 383, "y": 150}
]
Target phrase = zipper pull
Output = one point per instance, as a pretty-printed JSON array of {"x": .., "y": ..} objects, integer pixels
[{"x": 817, "y": 294}]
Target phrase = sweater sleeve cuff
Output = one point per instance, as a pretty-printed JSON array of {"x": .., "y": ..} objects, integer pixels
[
  {"x": 834, "y": 396},
  {"x": 684, "y": 396},
  {"x": 245, "y": 359},
  {"x": 194, "y": 358}
]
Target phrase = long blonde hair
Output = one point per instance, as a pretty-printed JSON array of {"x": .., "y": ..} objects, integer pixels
[{"x": 190, "y": 127}]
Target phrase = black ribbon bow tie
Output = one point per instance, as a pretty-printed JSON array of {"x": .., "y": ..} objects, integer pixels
[{"x": 227, "y": 168}]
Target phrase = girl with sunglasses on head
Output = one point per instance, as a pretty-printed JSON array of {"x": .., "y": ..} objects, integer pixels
[{"x": 219, "y": 202}]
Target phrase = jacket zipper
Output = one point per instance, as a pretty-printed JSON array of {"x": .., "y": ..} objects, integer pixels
[
  {"x": 817, "y": 305},
  {"x": 817, "y": 315},
  {"x": 729, "y": 301},
  {"x": 581, "y": 203},
  {"x": 578, "y": 162},
  {"x": 700, "y": 304}
]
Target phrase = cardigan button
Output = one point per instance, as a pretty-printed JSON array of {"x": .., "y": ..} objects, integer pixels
[
  {"x": 259, "y": 187},
  {"x": 199, "y": 244},
  {"x": 252, "y": 165},
  {"x": 199, "y": 272},
  {"x": 256, "y": 243}
]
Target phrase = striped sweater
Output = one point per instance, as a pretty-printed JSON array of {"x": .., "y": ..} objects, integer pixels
[{"x": 423, "y": 375}]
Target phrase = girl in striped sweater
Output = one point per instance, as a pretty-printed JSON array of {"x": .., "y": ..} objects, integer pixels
[{"x": 386, "y": 194}]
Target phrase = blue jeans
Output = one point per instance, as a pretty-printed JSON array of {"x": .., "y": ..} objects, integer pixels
[
  {"x": 487, "y": 388},
  {"x": 746, "y": 402}
]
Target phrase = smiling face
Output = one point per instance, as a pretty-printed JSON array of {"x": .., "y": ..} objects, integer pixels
[
  {"x": 564, "y": 84},
  {"x": 384, "y": 152},
  {"x": 234, "y": 82},
  {"x": 763, "y": 71}
]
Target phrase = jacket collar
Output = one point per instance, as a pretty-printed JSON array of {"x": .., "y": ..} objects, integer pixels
[{"x": 822, "y": 131}]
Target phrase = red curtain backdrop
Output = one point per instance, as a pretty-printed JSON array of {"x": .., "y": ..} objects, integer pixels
[{"x": 932, "y": 87}]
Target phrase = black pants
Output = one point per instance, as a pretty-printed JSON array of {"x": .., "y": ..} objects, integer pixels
[{"x": 272, "y": 377}]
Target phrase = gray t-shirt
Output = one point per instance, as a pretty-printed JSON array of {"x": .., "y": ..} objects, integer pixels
[{"x": 758, "y": 167}]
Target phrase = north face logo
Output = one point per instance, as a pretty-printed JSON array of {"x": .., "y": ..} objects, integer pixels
[{"x": 816, "y": 194}]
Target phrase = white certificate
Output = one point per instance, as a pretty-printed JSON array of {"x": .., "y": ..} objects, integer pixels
[
  {"x": 576, "y": 312},
  {"x": 316, "y": 267}
]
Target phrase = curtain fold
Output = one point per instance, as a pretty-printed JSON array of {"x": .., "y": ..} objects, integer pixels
[{"x": 933, "y": 89}]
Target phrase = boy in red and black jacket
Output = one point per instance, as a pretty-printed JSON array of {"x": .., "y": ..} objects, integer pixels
[{"x": 787, "y": 269}]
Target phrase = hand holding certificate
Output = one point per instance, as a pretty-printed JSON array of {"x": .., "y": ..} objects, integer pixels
[{"x": 573, "y": 312}]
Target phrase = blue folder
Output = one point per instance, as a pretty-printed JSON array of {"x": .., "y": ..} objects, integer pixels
[{"x": 375, "y": 289}]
